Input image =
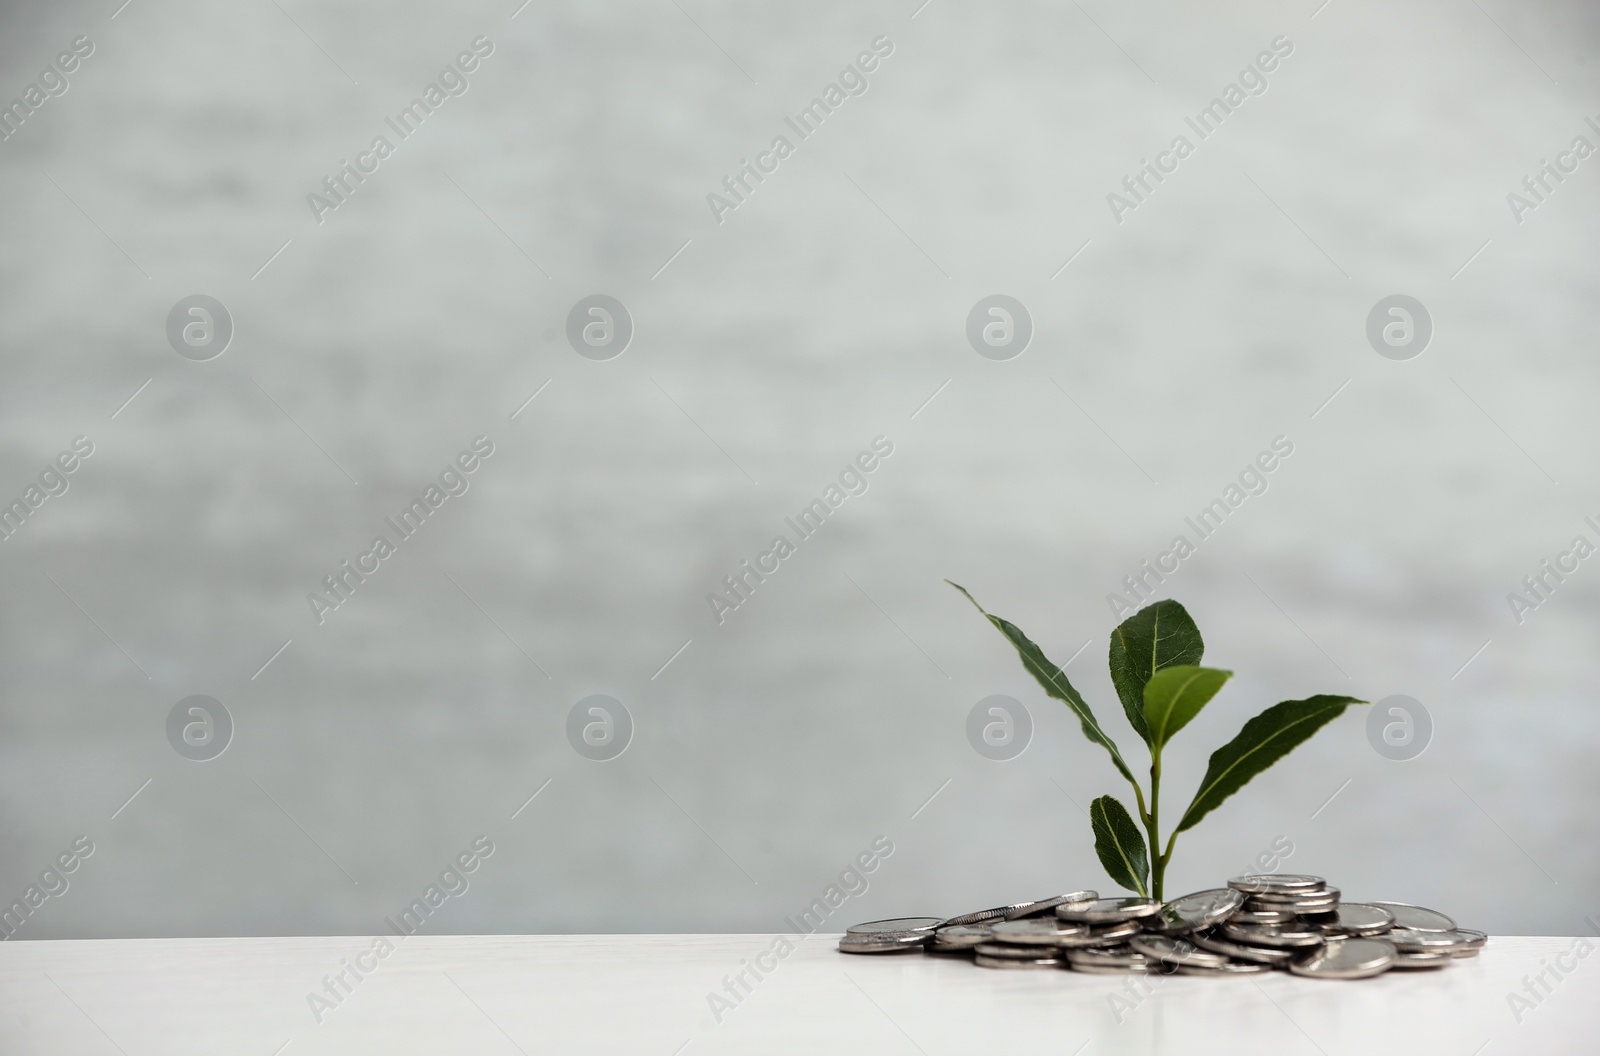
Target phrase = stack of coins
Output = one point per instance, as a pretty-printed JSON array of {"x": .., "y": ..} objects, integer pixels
[{"x": 1290, "y": 922}]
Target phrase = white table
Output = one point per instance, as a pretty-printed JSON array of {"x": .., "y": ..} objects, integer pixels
[{"x": 647, "y": 994}]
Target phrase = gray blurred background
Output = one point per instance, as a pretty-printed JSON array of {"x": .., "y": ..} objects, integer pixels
[{"x": 769, "y": 349}]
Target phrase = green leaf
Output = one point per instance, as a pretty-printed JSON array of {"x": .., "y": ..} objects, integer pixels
[
  {"x": 1174, "y": 695},
  {"x": 1157, "y": 636},
  {"x": 1119, "y": 844},
  {"x": 1263, "y": 741},
  {"x": 1054, "y": 681}
]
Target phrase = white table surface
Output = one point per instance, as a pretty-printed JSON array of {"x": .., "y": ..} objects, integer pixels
[{"x": 646, "y": 994}]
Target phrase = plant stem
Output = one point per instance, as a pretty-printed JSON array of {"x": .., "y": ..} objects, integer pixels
[
  {"x": 1144, "y": 815},
  {"x": 1158, "y": 863}
]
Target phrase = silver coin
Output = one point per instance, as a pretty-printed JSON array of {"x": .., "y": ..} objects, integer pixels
[
  {"x": 979, "y": 916},
  {"x": 1409, "y": 940},
  {"x": 959, "y": 937},
  {"x": 1225, "y": 968},
  {"x": 1121, "y": 960},
  {"x": 1314, "y": 914},
  {"x": 1109, "y": 962},
  {"x": 894, "y": 925},
  {"x": 1357, "y": 919},
  {"x": 1294, "y": 912},
  {"x": 1271, "y": 935},
  {"x": 1322, "y": 908},
  {"x": 1318, "y": 897},
  {"x": 1045, "y": 905},
  {"x": 1416, "y": 917},
  {"x": 1199, "y": 910},
  {"x": 1000, "y": 949},
  {"x": 1259, "y": 883},
  {"x": 1172, "y": 949},
  {"x": 1262, "y": 916},
  {"x": 1112, "y": 969},
  {"x": 1106, "y": 935},
  {"x": 1048, "y": 932},
  {"x": 1287, "y": 894},
  {"x": 892, "y": 942},
  {"x": 1345, "y": 959},
  {"x": 1108, "y": 910},
  {"x": 1252, "y": 905},
  {"x": 1019, "y": 963},
  {"x": 1258, "y": 954}
]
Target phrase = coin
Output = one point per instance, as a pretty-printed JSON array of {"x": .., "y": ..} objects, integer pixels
[
  {"x": 1410, "y": 940},
  {"x": 1108, "y": 910},
  {"x": 1254, "y": 905},
  {"x": 1199, "y": 910},
  {"x": 1314, "y": 914},
  {"x": 1258, "y": 954},
  {"x": 1262, "y": 916},
  {"x": 1019, "y": 963},
  {"x": 1172, "y": 949},
  {"x": 1271, "y": 935},
  {"x": 894, "y": 925},
  {"x": 1108, "y": 934},
  {"x": 1109, "y": 962},
  {"x": 1309, "y": 914},
  {"x": 1416, "y": 917},
  {"x": 1226, "y": 968},
  {"x": 1104, "y": 935},
  {"x": 1357, "y": 918},
  {"x": 1258, "y": 883},
  {"x": 959, "y": 937},
  {"x": 979, "y": 916},
  {"x": 891, "y": 942},
  {"x": 1048, "y": 932},
  {"x": 1045, "y": 905},
  {"x": 1001, "y": 949},
  {"x": 1345, "y": 959},
  {"x": 1314, "y": 897}
]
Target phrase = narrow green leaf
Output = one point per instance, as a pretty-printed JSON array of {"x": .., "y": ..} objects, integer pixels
[
  {"x": 1054, "y": 681},
  {"x": 1119, "y": 844},
  {"x": 1157, "y": 636},
  {"x": 1174, "y": 695},
  {"x": 1261, "y": 742}
]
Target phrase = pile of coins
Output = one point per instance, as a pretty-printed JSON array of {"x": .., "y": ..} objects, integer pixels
[{"x": 1255, "y": 924}]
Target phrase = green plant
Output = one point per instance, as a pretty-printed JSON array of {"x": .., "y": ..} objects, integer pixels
[{"x": 1155, "y": 658}]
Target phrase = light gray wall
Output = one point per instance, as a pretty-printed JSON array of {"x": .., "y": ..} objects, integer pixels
[{"x": 1224, "y": 311}]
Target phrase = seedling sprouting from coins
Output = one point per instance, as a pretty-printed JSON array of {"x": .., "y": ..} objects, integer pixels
[{"x": 1155, "y": 667}]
